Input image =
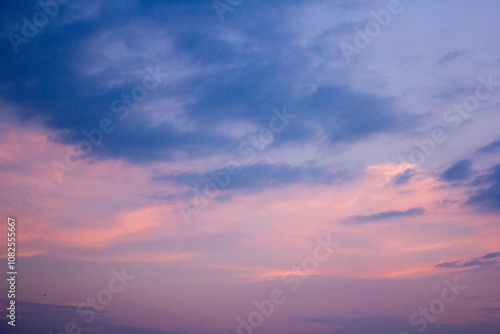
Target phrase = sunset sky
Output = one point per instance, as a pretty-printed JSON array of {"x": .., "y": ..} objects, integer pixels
[{"x": 237, "y": 166}]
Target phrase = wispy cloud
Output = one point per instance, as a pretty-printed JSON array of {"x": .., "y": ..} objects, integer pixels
[
  {"x": 385, "y": 215},
  {"x": 450, "y": 56},
  {"x": 490, "y": 148},
  {"x": 486, "y": 260},
  {"x": 459, "y": 171}
]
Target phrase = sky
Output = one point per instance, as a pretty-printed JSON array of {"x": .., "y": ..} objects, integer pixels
[{"x": 236, "y": 166}]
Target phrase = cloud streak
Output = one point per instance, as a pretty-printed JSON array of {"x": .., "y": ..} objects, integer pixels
[{"x": 385, "y": 215}]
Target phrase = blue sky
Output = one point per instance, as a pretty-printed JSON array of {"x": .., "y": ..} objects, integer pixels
[{"x": 205, "y": 146}]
